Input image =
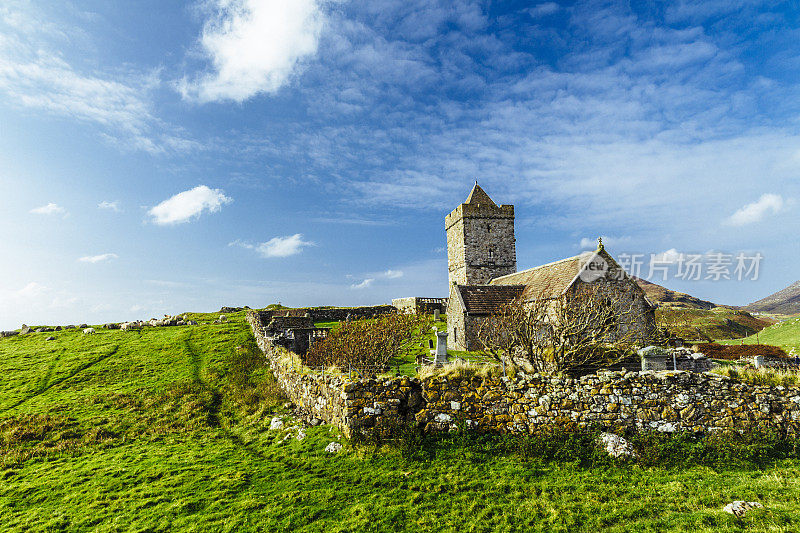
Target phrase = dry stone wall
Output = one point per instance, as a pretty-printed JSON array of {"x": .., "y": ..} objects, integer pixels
[
  {"x": 661, "y": 401},
  {"x": 327, "y": 314}
]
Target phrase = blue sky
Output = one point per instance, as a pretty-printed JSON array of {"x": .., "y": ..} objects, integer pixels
[{"x": 157, "y": 157}]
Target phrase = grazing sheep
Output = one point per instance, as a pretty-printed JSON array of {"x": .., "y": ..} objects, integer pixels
[{"x": 89, "y": 331}]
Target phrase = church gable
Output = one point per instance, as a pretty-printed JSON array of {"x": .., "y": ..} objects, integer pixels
[{"x": 554, "y": 279}]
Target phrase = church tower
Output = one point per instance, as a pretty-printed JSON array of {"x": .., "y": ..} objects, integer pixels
[{"x": 480, "y": 240}]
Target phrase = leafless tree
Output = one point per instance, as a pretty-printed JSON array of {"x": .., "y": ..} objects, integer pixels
[{"x": 593, "y": 324}]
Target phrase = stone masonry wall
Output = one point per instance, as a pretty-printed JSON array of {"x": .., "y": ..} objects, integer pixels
[
  {"x": 661, "y": 401},
  {"x": 329, "y": 314},
  {"x": 473, "y": 231}
]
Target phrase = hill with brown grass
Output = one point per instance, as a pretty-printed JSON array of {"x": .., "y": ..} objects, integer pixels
[
  {"x": 784, "y": 302},
  {"x": 664, "y": 297}
]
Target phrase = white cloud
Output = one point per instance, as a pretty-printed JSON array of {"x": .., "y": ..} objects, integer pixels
[
  {"x": 111, "y": 206},
  {"x": 541, "y": 10},
  {"x": 34, "y": 74},
  {"x": 254, "y": 47},
  {"x": 755, "y": 212},
  {"x": 98, "y": 258},
  {"x": 670, "y": 256},
  {"x": 49, "y": 209},
  {"x": 277, "y": 246},
  {"x": 187, "y": 205},
  {"x": 283, "y": 246},
  {"x": 31, "y": 290},
  {"x": 393, "y": 274},
  {"x": 363, "y": 285}
]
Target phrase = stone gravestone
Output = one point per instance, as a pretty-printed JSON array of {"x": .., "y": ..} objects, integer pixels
[
  {"x": 758, "y": 361},
  {"x": 436, "y": 314},
  {"x": 440, "y": 355},
  {"x": 654, "y": 358}
]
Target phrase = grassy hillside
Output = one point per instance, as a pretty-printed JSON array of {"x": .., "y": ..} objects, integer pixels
[
  {"x": 785, "y": 334},
  {"x": 785, "y": 301},
  {"x": 167, "y": 430},
  {"x": 664, "y": 297},
  {"x": 712, "y": 324}
]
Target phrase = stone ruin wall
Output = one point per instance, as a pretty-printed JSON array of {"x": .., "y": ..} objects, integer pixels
[
  {"x": 328, "y": 314},
  {"x": 661, "y": 401},
  {"x": 418, "y": 305}
]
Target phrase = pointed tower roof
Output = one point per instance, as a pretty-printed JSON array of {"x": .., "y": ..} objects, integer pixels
[{"x": 479, "y": 196}]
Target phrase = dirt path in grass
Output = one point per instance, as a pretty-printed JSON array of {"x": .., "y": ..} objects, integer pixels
[
  {"x": 199, "y": 362},
  {"x": 47, "y": 386}
]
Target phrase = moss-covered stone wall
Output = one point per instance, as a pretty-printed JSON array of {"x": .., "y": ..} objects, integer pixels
[{"x": 662, "y": 401}]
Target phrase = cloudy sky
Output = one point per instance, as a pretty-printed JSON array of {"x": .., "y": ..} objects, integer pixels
[{"x": 157, "y": 157}]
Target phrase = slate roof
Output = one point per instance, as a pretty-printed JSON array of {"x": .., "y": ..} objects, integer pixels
[
  {"x": 550, "y": 280},
  {"x": 487, "y": 299},
  {"x": 479, "y": 196}
]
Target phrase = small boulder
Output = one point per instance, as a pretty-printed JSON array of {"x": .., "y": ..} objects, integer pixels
[
  {"x": 24, "y": 330},
  {"x": 333, "y": 447},
  {"x": 83, "y": 326},
  {"x": 616, "y": 446},
  {"x": 191, "y": 322},
  {"x": 39, "y": 330},
  {"x": 315, "y": 422},
  {"x": 58, "y": 328},
  {"x": 50, "y": 338},
  {"x": 739, "y": 508},
  {"x": 276, "y": 423},
  {"x": 222, "y": 318},
  {"x": 301, "y": 434}
]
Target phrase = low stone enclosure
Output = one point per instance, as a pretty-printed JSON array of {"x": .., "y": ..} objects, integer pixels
[
  {"x": 419, "y": 305},
  {"x": 662, "y": 401}
]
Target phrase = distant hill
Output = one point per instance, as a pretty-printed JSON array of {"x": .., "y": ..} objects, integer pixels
[
  {"x": 664, "y": 297},
  {"x": 709, "y": 324},
  {"x": 784, "y": 302}
]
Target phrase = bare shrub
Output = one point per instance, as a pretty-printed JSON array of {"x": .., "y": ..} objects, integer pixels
[
  {"x": 592, "y": 326},
  {"x": 369, "y": 344}
]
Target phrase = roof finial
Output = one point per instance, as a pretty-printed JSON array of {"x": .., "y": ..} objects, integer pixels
[{"x": 600, "y": 246}]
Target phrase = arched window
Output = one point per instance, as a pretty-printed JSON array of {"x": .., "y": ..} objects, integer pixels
[{"x": 491, "y": 254}]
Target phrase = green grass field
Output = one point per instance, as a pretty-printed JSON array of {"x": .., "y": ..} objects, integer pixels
[
  {"x": 167, "y": 430},
  {"x": 785, "y": 334}
]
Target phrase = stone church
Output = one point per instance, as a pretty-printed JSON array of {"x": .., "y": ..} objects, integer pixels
[{"x": 482, "y": 263}]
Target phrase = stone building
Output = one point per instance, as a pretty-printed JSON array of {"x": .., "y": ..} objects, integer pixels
[
  {"x": 481, "y": 253},
  {"x": 480, "y": 240}
]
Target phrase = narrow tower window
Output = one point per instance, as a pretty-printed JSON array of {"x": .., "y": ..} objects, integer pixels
[{"x": 491, "y": 254}]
